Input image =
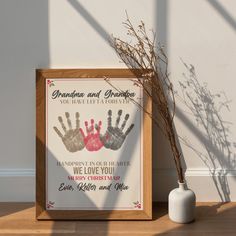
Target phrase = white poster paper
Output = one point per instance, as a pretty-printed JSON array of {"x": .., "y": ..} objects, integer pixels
[{"x": 94, "y": 157}]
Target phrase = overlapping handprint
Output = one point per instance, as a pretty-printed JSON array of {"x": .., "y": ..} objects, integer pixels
[
  {"x": 76, "y": 139},
  {"x": 92, "y": 139},
  {"x": 114, "y": 136},
  {"x": 73, "y": 138}
]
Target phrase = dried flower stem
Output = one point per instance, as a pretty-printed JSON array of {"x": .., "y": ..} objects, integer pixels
[{"x": 143, "y": 54}]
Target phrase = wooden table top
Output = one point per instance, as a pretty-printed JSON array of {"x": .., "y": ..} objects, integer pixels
[{"x": 218, "y": 219}]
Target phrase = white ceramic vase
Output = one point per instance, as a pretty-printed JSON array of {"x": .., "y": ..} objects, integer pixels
[{"x": 181, "y": 205}]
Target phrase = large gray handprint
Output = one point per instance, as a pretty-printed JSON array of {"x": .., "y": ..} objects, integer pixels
[
  {"x": 72, "y": 139},
  {"x": 114, "y": 136}
]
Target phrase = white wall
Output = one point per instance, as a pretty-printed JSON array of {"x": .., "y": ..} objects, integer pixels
[
  {"x": 203, "y": 33},
  {"x": 74, "y": 34}
]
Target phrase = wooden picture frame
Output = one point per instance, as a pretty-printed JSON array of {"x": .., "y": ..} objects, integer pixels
[{"x": 47, "y": 173}]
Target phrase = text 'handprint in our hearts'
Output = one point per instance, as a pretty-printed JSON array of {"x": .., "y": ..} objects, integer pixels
[{"x": 76, "y": 139}]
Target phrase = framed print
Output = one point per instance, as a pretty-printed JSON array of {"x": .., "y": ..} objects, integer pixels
[{"x": 93, "y": 145}]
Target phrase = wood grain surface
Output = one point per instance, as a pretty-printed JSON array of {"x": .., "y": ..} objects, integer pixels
[{"x": 212, "y": 219}]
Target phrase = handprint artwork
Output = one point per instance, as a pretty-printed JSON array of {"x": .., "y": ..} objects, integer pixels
[
  {"x": 92, "y": 140},
  {"x": 73, "y": 138},
  {"x": 76, "y": 139},
  {"x": 114, "y": 136}
]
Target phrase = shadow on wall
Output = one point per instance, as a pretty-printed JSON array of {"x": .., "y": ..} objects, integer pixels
[
  {"x": 207, "y": 109},
  {"x": 218, "y": 154},
  {"x": 24, "y": 46},
  {"x": 164, "y": 174},
  {"x": 223, "y": 13},
  {"x": 81, "y": 10}
]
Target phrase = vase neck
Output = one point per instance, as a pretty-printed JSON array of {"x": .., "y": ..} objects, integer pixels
[{"x": 183, "y": 186}]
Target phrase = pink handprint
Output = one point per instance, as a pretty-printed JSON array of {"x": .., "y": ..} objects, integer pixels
[{"x": 92, "y": 140}]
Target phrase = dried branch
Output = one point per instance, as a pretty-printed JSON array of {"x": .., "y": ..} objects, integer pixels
[{"x": 149, "y": 58}]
